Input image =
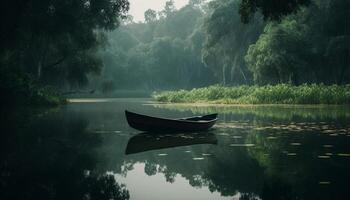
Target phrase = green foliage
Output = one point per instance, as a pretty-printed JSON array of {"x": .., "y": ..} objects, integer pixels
[
  {"x": 271, "y": 9},
  {"x": 306, "y": 45},
  {"x": 17, "y": 88},
  {"x": 310, "y": 46},
  {"x": 277, "y": 94},
  {"x": 275, "y": 57},
  {"x": 52, "y": 43},
  {"x": 56, "y": 41},
  {"x": 157, "y": 54},
  {"x": 227, "y": 40},
  {"x": 150, "y": 16}
]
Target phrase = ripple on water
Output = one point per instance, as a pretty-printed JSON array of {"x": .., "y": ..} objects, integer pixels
[
  {"x": 242, "y": 145},
  {"x": 327, "y": 146},
  {"x": 198, "y": 158},
  {"x": 323, "y": 157},
  {"x": 223, "y": 134},
  {"x": 271, "y": 138},
  {"x": 344, "y": 154}
]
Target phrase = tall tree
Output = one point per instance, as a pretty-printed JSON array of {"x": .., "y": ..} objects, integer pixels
[
  {"x": 150, "y": 16},
  {"x": 227, "y": 40},
  {"x": 305, "y": 47},
  {"x": 46, "y": 38}
]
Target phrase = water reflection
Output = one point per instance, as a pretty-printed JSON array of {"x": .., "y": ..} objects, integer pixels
[
  {"x": 47, "y": 155},
  {"x": 289, "y": 144},
  {"x": 152, "y": 141},
  {"x": 87, "y": 151}
]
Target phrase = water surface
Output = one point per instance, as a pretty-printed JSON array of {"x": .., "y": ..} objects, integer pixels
[{"x": 85, "y": 150}]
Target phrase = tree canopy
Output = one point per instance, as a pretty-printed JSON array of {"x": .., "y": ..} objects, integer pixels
[
  {"x": 56, "y": 39},
  {"x": 73, "y": 43},
  {"x": 271, "y": 9}
]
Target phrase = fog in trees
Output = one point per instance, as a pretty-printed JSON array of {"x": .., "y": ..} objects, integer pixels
[
  {"x": 95, "y": 46},
  {"x": 228, "y": 42}
]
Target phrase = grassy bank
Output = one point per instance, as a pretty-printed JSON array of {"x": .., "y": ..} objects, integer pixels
[{"x": 277, "y": 94}]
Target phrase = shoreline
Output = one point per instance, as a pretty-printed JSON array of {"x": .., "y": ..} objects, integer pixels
[
  {"x": 281, "y": 94},
  {"x": 213, "y": 104}
]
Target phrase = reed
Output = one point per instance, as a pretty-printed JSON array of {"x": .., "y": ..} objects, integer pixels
[{"x": 269, "y": 94}]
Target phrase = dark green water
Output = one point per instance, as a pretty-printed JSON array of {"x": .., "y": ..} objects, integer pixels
[{"x": 79, "y": 152}]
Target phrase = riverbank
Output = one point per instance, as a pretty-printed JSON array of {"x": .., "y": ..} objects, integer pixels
[
  {"x": 19, "y": 89},
  {"x": 277, "y": 94}
]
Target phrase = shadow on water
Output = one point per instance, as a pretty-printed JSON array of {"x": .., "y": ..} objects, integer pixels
[
  {"x": 47, "y": 155},
  {"x": 154, "y": 141}
]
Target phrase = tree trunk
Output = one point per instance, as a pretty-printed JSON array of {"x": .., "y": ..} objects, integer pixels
[
  {"x": 224, "y": 74},
  {"x": 344, "y": 65},
  {"x": 40, "y": 66},
  {"x": 244, "y": 76}
]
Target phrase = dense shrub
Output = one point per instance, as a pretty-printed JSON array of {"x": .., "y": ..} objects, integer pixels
[
  {"x": 21, "y": 89},
  {"x": 276, "y": 94}
]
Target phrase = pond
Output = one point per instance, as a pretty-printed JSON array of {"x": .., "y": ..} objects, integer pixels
[{"x": 86, "y": 150}]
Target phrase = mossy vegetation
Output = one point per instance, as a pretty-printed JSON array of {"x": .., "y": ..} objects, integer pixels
[{"x": 269, "y": 94}]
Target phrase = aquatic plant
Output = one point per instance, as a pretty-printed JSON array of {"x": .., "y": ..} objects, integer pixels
[{"x": 269, "y": 94}]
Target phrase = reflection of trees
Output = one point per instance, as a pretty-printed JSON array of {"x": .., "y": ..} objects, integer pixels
[
  {"x": 294, "y": 172},
  {"x": 261, "y": 172},
  {"x": 227, "y": 170},
  {"x": 231, "y": 170},
  {"x": 178, "y": 163},
  {"x": 150, "y": 168},
  {"x": 104, "y": 187},
  {"x": 53, "y": 157},
  {"x": 248, "y": 196},
  {"x": 272, "y": 169}
]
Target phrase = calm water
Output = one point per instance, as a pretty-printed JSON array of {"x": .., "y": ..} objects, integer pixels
[{"x": 85, "y": 150}]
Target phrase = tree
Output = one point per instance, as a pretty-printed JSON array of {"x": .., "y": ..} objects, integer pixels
[
  {"x": 158, "y": 53},
  {"x": 276, "y": 56},
  {"x": 227, "y": 40},
  {"x": 338, "y": 54},
  {"x": 47, "y": 36},
  {"x": 271, "y": 9},
  {"x": 169, "y": 8},
  {"x": 310, "y": 46},
  {"x": 150, "y": 16}
]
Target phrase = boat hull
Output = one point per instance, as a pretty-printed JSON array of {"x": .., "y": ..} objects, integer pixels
[{"x": 155, "y": 124}]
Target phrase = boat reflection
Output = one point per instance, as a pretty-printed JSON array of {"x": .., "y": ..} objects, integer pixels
[{"x": 147, "y": 141}]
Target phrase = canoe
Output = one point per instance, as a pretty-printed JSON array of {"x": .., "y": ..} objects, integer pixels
[
  {"x": 156, "y": 124},
  {"x": 147, "y": 142}
]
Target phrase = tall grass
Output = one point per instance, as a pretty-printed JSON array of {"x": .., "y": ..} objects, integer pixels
[{"x": 276, "y": 94}]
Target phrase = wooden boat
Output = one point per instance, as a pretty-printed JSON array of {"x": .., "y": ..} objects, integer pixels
[
  {"x": 146, "y": 142},
  {"x": 156, "y": 124}
]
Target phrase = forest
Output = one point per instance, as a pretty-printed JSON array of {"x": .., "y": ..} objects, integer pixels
[
  {"x": 174, "y": 99},
  {"x": 214, "y": 46},
  {"x": 59, "y": 47}
]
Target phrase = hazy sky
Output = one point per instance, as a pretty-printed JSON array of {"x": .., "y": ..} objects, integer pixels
[{"x": 138, "y": 7}]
